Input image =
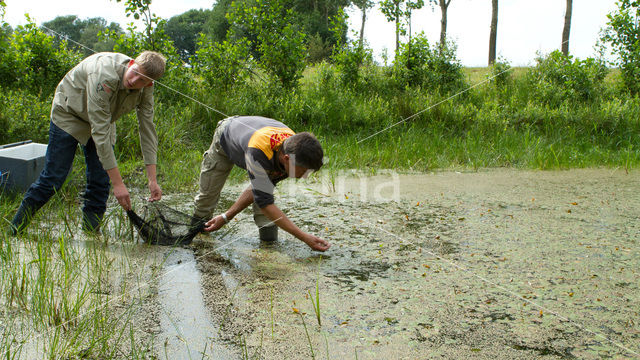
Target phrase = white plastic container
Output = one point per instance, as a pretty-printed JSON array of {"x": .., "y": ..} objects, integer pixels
[{"x": 20, "y": 165}]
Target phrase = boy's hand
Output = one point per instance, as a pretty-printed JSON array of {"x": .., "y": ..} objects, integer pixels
[
  {"x": 122, "y": 195},
  {"x": 156, "y": 192},
  {"x": 315, "y": 242},
  {"x": 215, "y": 223}
]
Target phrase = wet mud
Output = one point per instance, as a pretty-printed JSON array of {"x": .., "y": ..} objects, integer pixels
[{"x": 500, "y": 264}]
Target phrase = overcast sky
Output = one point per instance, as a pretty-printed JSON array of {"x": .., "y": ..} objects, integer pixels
[{"x": 524, "y": 26}]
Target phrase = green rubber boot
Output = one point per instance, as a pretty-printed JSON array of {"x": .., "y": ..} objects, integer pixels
[{"x": 268, "y": 233}]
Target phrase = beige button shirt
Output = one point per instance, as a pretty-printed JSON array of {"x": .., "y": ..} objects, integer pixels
[{"x": 92, "y": 96}]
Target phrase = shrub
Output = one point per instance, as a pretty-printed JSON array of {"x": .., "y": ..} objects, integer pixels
[
  {"x": 349, "y": 60},
  {"x": 558, "y": 78},
  {"x": 224, "y": 64},
  {"x": 23, "y": 116},
  {"x": 500, "y": 75},
  {"x": 435, "y": 68},
  {"x": 623, "y": 33},
  {"x": 279, "y": 41},
  {"x": 32, "y": 61}
]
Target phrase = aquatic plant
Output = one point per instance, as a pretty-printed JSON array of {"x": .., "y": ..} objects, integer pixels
[
  {"x": 315, "y": 302},
  {"x": 304, "y": 324}
]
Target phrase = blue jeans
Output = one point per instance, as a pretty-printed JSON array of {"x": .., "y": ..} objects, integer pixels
[{"x": 58, "y": 161}]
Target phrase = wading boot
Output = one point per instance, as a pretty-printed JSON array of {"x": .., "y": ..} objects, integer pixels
[
  {"x": 91, "y": 222},
  {"x": 268, "y": 233},
  {"x": 21, "y": 219}
]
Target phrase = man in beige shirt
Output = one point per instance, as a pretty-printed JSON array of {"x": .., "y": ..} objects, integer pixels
[{"x": 87, "y": 102}]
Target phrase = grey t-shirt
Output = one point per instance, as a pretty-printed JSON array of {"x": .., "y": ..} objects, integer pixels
[{"x": 252, "y": 143}]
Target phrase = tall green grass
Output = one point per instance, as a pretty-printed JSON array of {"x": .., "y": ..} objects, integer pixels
[
  {"x": 517, "y": 122},
  {"x": 64, "y": 297},
  {"x": 487, "y": 126}
]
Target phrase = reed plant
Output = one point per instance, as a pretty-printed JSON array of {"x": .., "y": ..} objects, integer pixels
[
  {"x": 58, "y": 291},
  {"x": 315, "y": 301},
  {"x": 306, "y": 331}
]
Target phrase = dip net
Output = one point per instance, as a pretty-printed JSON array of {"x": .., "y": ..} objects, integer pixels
[{"x": 161, "y": 225}]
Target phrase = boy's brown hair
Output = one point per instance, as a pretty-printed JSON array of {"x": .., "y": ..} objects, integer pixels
[
  {"x": 306, "y": 149},
  {"x": 152, "y": 64}
]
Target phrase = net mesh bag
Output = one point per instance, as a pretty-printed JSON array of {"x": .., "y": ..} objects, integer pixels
[{"x": 162, "y": 225}]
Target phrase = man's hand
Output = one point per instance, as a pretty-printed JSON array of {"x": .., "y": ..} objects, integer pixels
[
  {"x": 156, "y": 192},
  {"x": 122, "y": 195},
  {"x": 214, "y": 224},
  {"x": 315, "y": 242}
]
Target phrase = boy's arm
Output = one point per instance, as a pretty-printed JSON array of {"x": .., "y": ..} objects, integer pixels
[
  {"x": 146, "y": 127},
  {"x": 148, "y": 140},
  {"x": 154, "y": 188},
  {"x": 245, "y": 199},
  {"x": 99, "y": 92},
  {"x": 119, "y": 189},
  {"x": 274, "y": 214},
  {"x": 279, "y": 218}
]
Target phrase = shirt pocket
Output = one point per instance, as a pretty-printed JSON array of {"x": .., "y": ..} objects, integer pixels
[{"x": 75, "y": 102}]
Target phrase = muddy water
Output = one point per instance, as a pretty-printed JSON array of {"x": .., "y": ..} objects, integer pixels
[
  {"x": 497, "y": 264},
  {"x": 187, "y": 330},
  {"x": 503, "y": 264}
]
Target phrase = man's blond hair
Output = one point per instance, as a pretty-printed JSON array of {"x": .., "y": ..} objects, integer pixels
[{"x": 152, "y": 64}]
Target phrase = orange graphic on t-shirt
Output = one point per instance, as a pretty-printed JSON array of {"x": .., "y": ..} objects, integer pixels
[{"x": 277, "y": 139}]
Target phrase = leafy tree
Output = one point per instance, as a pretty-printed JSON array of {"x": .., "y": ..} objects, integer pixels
[
  {"x": 7, "y": 74},
  {"x": 558, "y": 78},
  {"x": 432, "y": 67},
  {"x": 312, "y": 18},
  {"x": 153, "y": 38},
  {"x": 67, "y": 26},
  {"x": 280, "y": 43},
  {"x": 217, "y": 25},
  {"x": 316, "y": 16},
  {"x": 493, "y": 32},
  {"x": 349, "y": 56},
  {"x": 222, "y": 64},
  {"x": 184, "y": 30},
  {"x": 399, "y": 11},
  {"x": 623, "y": 34},
  {"x": 153, "y": 35},
  {"x": 93, "y": 34},
  {"x": 566, "y": 30},
  {"x": 5, "y": 32},
  {"x": 82, "y": 35},
  {"x": 31, "y": 60}
]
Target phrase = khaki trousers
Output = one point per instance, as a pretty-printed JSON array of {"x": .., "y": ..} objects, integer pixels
[{"x": 214, "y": 170}]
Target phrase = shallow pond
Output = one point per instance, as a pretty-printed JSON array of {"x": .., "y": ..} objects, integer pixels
[{"x": 500, "y": 264}]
